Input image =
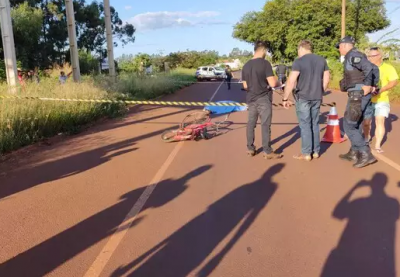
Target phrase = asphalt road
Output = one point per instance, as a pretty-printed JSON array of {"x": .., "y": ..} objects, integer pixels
[{"x": 117, "y": 201}]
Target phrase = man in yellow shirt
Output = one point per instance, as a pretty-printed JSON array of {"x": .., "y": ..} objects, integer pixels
[{"x": 380, "y": 106}]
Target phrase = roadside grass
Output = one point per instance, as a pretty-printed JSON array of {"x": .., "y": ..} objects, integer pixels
[{"x": 23, "y": 122}]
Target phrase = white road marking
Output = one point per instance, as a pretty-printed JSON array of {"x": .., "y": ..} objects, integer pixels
[
  {"x": 386, "y": 160},
  {"x": 381, "y": 157},
  {"x": 215, "y": 93},
  {"x": 112, "y": 244}
]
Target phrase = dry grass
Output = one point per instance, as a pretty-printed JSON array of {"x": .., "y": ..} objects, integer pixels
[{"x": 23, "y": 122}]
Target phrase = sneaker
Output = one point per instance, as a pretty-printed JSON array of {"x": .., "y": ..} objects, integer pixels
[
  {"x": 272, "y": 156},
  {"x": 315, "y": 156}
]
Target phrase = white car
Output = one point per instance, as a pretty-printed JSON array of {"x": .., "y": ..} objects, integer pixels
[{"x": 210, "y": 73}]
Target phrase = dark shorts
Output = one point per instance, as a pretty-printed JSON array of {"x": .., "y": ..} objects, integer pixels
[{"x": 369, "y": 111}]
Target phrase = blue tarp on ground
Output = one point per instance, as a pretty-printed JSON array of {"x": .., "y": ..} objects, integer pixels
[{"x": 225, "y": 109}]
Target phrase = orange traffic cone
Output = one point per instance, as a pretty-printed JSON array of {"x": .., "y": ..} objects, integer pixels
[{"x": 332, "y": 133}]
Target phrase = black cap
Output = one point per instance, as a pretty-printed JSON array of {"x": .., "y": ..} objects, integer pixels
[{"x": 347, "y": 39}]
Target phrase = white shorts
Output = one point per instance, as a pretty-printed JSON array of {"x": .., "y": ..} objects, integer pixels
[{"x": 382, "y": 109}]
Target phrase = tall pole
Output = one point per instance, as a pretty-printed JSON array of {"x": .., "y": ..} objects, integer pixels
[
  {"x": 73, "y": 47},
  {"x": 7, "y": 36},
  {"x": 343, "y": 18},
  {"x": 110, "y": 45}
]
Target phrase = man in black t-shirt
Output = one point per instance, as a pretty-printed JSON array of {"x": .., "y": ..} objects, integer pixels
[
  {"x": 258, "y": 80},
  {"x": 281, "y": 71},
  {"x": 311, "y": 73}
]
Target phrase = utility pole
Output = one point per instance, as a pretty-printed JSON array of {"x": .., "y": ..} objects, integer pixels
[
  {"x": 7, "y": 36},
  {"x": 110, "y": 45},
  {"x": 73, "y": 48},
  {"x": 343, "y": 18}
]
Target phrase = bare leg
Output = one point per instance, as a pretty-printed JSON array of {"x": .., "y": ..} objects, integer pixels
[
  {"x": 367, "y": 129},
  {"x": 380, "y": 131}
]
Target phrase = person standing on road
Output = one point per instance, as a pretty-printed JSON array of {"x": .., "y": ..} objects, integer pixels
[
  {"x": 258, "y": 80},
  {"x": 380, "y": 101},
  {"x": 360, "y": 76},
  {"x": 311, "y": 73},
  {"x": 281, "y": 72},
  {"x": 229, "y": 76}
]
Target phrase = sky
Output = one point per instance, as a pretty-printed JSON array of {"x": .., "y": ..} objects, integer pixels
[{"x": 165, "y": 26}]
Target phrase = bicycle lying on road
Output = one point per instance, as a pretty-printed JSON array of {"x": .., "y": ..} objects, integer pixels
[{"x": 198, "y": 125}]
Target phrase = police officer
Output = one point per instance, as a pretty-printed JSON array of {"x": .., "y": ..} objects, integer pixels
[{"x": 360, "y": 76}]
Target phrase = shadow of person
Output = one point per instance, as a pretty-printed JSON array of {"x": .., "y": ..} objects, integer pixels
[
  {"x": 50, "y": 254},
  {"x": 388, "y": 126},
  {"x": 367, "y": 245},
  {"x": 188, "y": 247},
  {"x": 295, "y": 135},
  {"x": 323, "y": 118}
]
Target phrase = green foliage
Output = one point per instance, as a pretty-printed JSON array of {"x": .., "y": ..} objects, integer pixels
[
  {"x": 27, "y": 25},
  {"x": 87, "y": 63},
  {"x": 283, "y": 23},
  {"x": 150, "y": 87},
  {"x": 41, "y": 36},
  {"x": 141, "y": 61},
  {"x": 188, "y": 59},
  {"x": 237, "y": 53},
  {"x": 192, "y": 59},
  {"x": 395, "y": 96},
  {"x": 336, "y": 70}
]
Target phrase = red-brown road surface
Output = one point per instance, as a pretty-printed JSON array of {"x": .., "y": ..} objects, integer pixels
[{"x": 117, "y": 201}]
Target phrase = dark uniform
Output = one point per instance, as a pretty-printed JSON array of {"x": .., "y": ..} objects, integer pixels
[
  {"x": 229, "y": 77},
  {"x": 358, "y": 72},
  {"x": 281, "y": 71}
]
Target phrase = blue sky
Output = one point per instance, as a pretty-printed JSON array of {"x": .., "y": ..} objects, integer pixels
[{"x": 176, "y": 25}]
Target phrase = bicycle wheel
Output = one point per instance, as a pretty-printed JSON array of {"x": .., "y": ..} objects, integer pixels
[
  {"x": 211, "y": 131},
  {"x": 175, "y": 135},
  {"x": 223, "y": 124},
  {"x": 195, "y": 118}
]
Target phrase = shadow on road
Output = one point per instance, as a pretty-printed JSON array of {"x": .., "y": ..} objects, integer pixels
[
  {"x": 294, "y": 132},
  {"x": 50, "y": 254},
  {"x": 116, "y": 125},
  {"x": 188, "y": 247},
  {"x": 367, "y": 245},
  {"x": 30, "y": 177}
]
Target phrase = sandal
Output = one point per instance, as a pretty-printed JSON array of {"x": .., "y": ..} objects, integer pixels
[
  {"x": 302, "y": 157},
  {"x": 379, "y": 150}
]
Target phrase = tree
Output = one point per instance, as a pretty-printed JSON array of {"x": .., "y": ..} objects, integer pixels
[
  {"x": 41, "y": 36},
  {"x": 87, "y": 63},
  {"x": 91, "y": 27},
  {"x": 237, "y": 53},
  {"x": 283, "y": 23},
  {"x": 27, "y": 24}
]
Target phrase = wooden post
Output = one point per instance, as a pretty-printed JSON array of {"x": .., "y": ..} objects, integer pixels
[
  {"x": 73, "y": 47},
  {"x": 7, "y": 36},
  {"x": 110, "y": 45},
  {"x": 343, "y": 18}
]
